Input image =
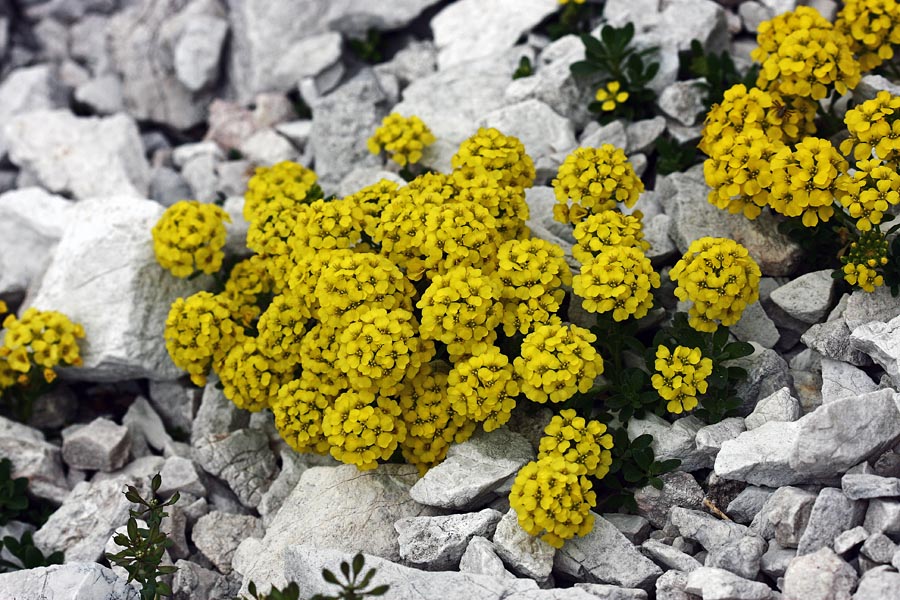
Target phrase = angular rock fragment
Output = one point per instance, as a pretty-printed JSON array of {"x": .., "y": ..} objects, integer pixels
[
  {"x": 719, "y": 583},
  {"x": 218, "y": 534},
  {"x": 480, "y": 558},
  {"x": 832, "y": 513},
  {"x": 524, "y": 554},
  {"x": 75, "y": 579},
  {"x": 242, "y": 459},
  {"x": 438, "y": 543},
  {"x": 821, "y": 575},
  {"x": 99, "y": 446}
]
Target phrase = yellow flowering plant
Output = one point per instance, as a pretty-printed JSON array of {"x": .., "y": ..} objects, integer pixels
[
  {"x": 402, "y": 138},
  {"x": 189, "y": 238},
  {"x": 34, "y": 345}
]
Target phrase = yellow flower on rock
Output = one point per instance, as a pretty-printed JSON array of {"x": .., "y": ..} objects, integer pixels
[
  {"x": 804, "y": 180},
  {"x": 287, "y": 183},
  {"x": 483, "y": 388},
  {"x": 557, "y": 362},
  {"x": 594, "y": 179},
  {"x": 281, "y": 328},
  {"x": 250, "y": 379},
  {"x": 680, "y": 376},
  {"x": 552, "y": 501},
  {"x": 874, "y": 126},
  {"x": 618, "y": 280},
  {"x": 720, "y": 278},
  {"x": 403, "y": 138},
  {"x": 864, "y": 260},
  {"x": 611, "y": 96},
  {"x": 869, "y": 192},
  {"x": 502, "y": 156},
  {"x": 199, "y": 333},
  {"x": 874, "y": 28},
  {"x": 248, "y": 281},
  {"x": 532, "y": 273},
  {"x": 189, "y": 237},
  {"x": 583, "y": 443},
  {"x": 42, "y": 338}
]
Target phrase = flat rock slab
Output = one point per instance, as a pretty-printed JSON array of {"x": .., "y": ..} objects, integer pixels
[
  {"x": 438, "y": 543},
  {"x": 106, "y": 252},
  {"x": 465, "y": 480},
  {"x": 71, "y": 581},
  {"x": 334, "y": 507}
]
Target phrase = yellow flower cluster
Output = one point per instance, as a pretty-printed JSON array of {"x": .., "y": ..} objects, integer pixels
[
  {"x": 608, "y": 228},
  {"x": 611, "y": 96},
  {"x": 869, "y": 192},
  {"x": 483, "y": 388},
  {"x": 502, "y": 156},
  {"x": 594, "y": 179},
  {"x": 874, "y": 126},
  {"x": 864, "y": 259},
  {"x": 249, "y": 378},
  {"x": 552, "y": 500},
  {"x": 804, "y": 180},
  {"x": 199, "y": 332},
  {"x": 403, "y": 138},
  {"x": 556, "y": 362},
  {"x": 284, "y": 181},
  {"x": 581, "y": 442},
  {"x": 720, "y": 278},
  {"x": 298, "y": 409},
  {"x": 619, "y": 279},
  {"x": 363, "y": 427},
  {"x": 189, "y": 237},
  {"x": 532, "y": 273},
  {"x": 873, "y": 26},
  {"x": 680, "y": 375},
  {"x": 43, "y": 339},
  {"x": 802, "y": 54}
]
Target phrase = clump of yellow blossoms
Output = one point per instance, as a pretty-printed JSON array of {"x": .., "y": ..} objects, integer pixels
[
  {"x": 43, "y": 339},
  {"x": 869, "y": 192},
  {"x": 552, "y": 500},
  {"x": 594, "y": 179},
  {"x": 874, "y": 126},
  {"x": 502, "y": 157},
  {"x": 189, "y": 237},
  {"x": 611, "y": 96},
  {"x": 804, "y": 180},
  {"x": 680, "y": 376},
  {"x": 199, "y": 333},
  {"x": 298, "y": 410},
  {"x": 619, "y": 280},
  {"x": 363, "y": 427},
  {"x": 720, "y": 278},
  {"x": 250, "y": 379},
  {"x": 873, "y": 27},
  {"x": 556, "y": 362},
  {"x": 864, "y": 259},
  {"x": 802, "y": 54},
  {"x": 532, "y": 273},
  {"x": 403, "y": 138},
  {"x": 608, "y": 228},
  {"x": 283, "y": 183},
  {"x": 483, "y": 388},
  {"x": 584, "y": 443}
]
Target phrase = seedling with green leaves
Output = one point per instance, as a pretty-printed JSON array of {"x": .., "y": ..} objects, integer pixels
[
  {"x": 673, "y": 156},
  {"x": 144, "y": 547},
  {"x": 634, "y": 465},
  {"x": 28, "y": 555},
  {"x": 613, "y": 58},
  {"x": 524, "y": 69}
]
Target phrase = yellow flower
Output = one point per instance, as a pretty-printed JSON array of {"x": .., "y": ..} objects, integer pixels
[
  {"x": 199, "y": 333},
  {"x": 483, "y": 388},
  {"x": 611, "y": 96},
  {"x": 595, "y": 179},
  {"x": 189, "y": 237},
  {"x": 873, "y": 26},
  {"x": 618, "y": 280},
  {"x": 363, "y": 428},
  {"x": 680, "y": 376},
  {"x": 283, "y": 183},
  {"x": 720, "y": 278},
  {"x": 580, "y": 442},
  {"x": 556, "y": 362},
  {"x": 864, "y": 260},
  {"x": 804, "y": 180},
  {"x": 298, "y": 408},
  {"x": 403, "y": 138},
  {"x": 608, "y": 228},
  {"x": 502, "y": 156},
  {"x": 41, "y": 338}
]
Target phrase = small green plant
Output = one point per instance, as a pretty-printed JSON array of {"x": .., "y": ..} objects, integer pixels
[
  {"x": 144, "y": 547},
  {"x": 28, "y": 555},
  {"x": 525, "y": 69},
  {"x": 634, "y": 466},
  {"x": 673, "y": 156},
  {"x": 574, "y": 17},
  {"x": 370, "y": 48},
  {"x": 352, "y": 588},
  {"x": 13, "y": 498},
  {"x": 718, "y": 70},
  {"x": 614, "y": 64}
]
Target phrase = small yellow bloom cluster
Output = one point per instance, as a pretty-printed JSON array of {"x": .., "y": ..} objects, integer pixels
[
  {"x": 864, "y": 259},
  {"x": 247, "y": 283},
  {"x": 611, "y": 96},
  {"x": 869, "y": 192},
  {"x": 552, "y": 500},
  {"x": 363, "y": 427},
  {"x": 804, "y": 180},
  {"x": 608, "y": 228},
  {"x": 532, "y": 273},
  {"x": 284, "y": 181},
  {"x": 873, "y": 26},
  {"x": 594, "y": 179},
  {"x": 556, "y": 362},
  {"x": 199, "y": 332},
  {"x": 874, "y": 126},
  {"x": 189, "y": 237},
  {"x": 483, "y": 388},
  {"x": 403, "y": 138},
  {"x": 720, "y": 278},
  {"x": 619, "y": 279},
  {"x": 502, "y": 156},
  {"x": 584, "y": 443},
  {"x": 802, "y": 54},
  {"x": 298, "y": 408},
  {"x": 680, "y": 375},
  {"x": 42, "y": 339}
]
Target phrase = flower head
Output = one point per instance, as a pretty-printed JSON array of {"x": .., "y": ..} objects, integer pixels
[
  {"x": 403, "y": 138},
  {"x": 611, "y": 96},
  {"x": 680, "y": 376},
  {"x": 594, "y": 179},
  {"x": 189, "y": 237}
]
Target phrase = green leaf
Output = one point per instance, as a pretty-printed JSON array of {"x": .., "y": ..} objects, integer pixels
[
  {"x": 656, "y": 482},
  {"x": 329, "y": 577},
  {"x": 592, "y": 46},
  {"x": 359, "y": 562},
  {"x": 739, "y": 350},
  {"x": 378, "y": 591},
  {"x": 642, "y": 441}
]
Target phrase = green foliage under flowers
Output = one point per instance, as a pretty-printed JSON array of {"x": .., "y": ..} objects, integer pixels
[
  {"x": 13, "y": 498},
  {"x": 634, "y": 466},
  {"x": 718, "y": 70},
  {"x": 673, "y": 156},
  {"x": 15, "y": 504},
  {"x": 352, "y": 588},
  {"x": 613, "y": 58},
  {"x": 144, "y": 547}
]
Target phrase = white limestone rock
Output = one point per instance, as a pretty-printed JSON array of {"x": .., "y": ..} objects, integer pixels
[
  {"x": 843, "y": 380},
  {"x": 100, "y": 445},
  {"x": 198, "y": 51},
  {"x": 523, "y": 553},
  {"x": 438, "y": 543},
  {"x": 81, "y": 580},
  {"x": 82, "y": 156},
  {"x": 106, "y": 252},
  {"x": 28, "y": 89},
  {"x": 779, "y": 406},
  {"x": 881, "y": 341},
  {"x": 218, "y": 534},
  {"x": 808, "y": 297}
]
